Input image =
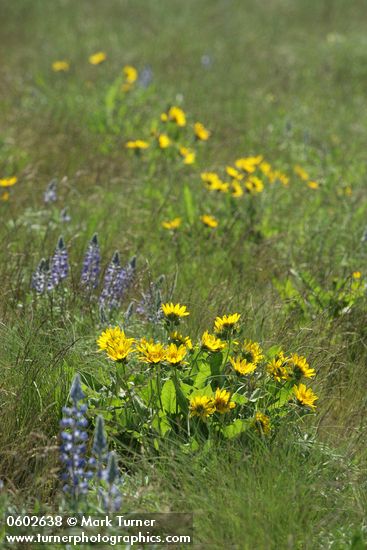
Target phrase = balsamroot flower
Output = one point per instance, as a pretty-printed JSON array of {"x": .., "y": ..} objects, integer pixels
[
  {"x": 242, "y": 365},
  {"x": 278, "y": 367},
  {"x": 151, "y": 352},
  {"x": 262, "y": 423},
  {"x": 91, "y": 264},
  {"x": 222, "y": 401},
  {"x": 172, "y": 224},
  {"x": 210, "y": 342},
  {"x": 117, "y": 346},
  {"x": 174, "y": 312},
  {"x": 209, "y": 221},
  {"x": 305, "y": 396},
  {"x": 175, "y": 355},
  {"x": 202, "y": 406},
  {"x": 227, "y": 323},
  {"x": 201, "y": 132},
  {"x": 300, "y": 367},
  {"x": 97, "y": 58},
  {"x": 60, "y": 66}
]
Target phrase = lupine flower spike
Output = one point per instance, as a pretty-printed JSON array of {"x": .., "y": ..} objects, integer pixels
[
  {"x": 59, "y": 268},
  {"x": 50, "y": 194},
  {"x": 91, "y": 264},
  {"x": 73, "y": 445}
]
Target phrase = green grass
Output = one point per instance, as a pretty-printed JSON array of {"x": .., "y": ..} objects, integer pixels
[{"x": 288, "y": 81}]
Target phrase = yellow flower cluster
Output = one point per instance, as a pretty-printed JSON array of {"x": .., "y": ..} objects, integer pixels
[
  {"x": 204, "y": 406},
  {"x": 303, "y": 175}
]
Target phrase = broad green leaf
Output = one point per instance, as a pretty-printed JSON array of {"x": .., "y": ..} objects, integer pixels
[
  {"x": 189, "y": 205},
  {"x": 236, "y": 428},
  {"x": 168, "y": 397}
]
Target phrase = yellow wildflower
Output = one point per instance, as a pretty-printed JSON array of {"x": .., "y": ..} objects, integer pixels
[
  {"x": 222, "y": 401},
  {"x": 97, "y": 58},
  {"x": 137, "y": 144},
  {"x": 209, "y": 221},
  {"x": 300, "y": 366},
  {"x": 164, "y": 141},
  {"x": 172, "y": 224},
  {"x": 254, "y": 184},
  {"x": 210, "y": 342},
  {"x": 262, "y": 422},
  {"x": 237, "y": 190},
  {"x": 305, "y": 396},
  {"x": 60, "y": 66},
  {"x": 300, "y": 172},
  {"x": 233, "y": 173},
  {"x": 356, "y": 274},
  {"x": 265, "y": 168},
  {"x": 187, "y": 154},
  {"x": 173, "y": 312},
  {"x": 177, "y": 115},
  {"x": 222, "y": 324},
  {"x": 248, "y": 164},
  {"x": 252, "y": 351},
  {"x": 242, "y": 365},
  {"x": 8, "y": 182},
  {"x": 5, "y": 196},
  {"x": 313, "y": 185},
  {"x": 277, "y": 367},
  {"x": 176, "y": 354},
  {"x": 202, "y": 406},
  {"x": 201, "y": 132},
  {"x": 130, "y": 73},
  {"x": 178, "y": 338},
  {"x": 151, "y": 352},
  {"x": 114, "y": 341}
]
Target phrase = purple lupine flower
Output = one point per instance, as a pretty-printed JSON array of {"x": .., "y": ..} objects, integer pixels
[
  {"x": 117, "y": 280},
  {"x": 73, "y": 444},
  {"x": 40, "y": 277},
  {"x": 99, "y": 446},
  {"x": 59, "y": 268},
  {"x": 111, "y": 495},
  {"x": 91, "y": 264},
  {"x": 150, "y": 304},
  {"x": 50, "y": 194}
]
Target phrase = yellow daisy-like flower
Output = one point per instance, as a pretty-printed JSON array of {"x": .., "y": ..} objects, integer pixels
[
  {"x": 137, "y": 144},
  {"x": 174, "y": 312},
  {"x": 114, "y": 341},
  {"x": 210, "y": 342},
  {"x": 130, "y": 74},
  {"x": 202, "y": 406},
  {"x": 119, "y": 350},
  {"x": 188, "y": 155},
  {"x": 300, "y": 366},
  {"x": 97, "y": 58},
  {"x": 356, "y": 274},
  {"x": 305, "y": 396},
  {"x": 265, "y": 168},
  {"x": 222, "y": 401},
  {"x": 164, "y": 141},
  {"x": 237, "y": 190},
  {"x": 313, "y": 185},
  {"x": 5, "y": 196},
  {"x": 242, "y": 366},
  {"x": 278, "y": 367},
  {"x": 213, "y": 182},
  {"x": 301, "y": 172},
  {"x": 8, "y": 182},
  {"x": 60, "y": 66},
  {"x": 201, "y": 132},
  {"x": 248, "y": 164},
  {"x": 151, "y": 352},
  {"x": 225, "y": 323},
  {"x": 209, "y": 221},
  {"x": 252, "y": 351},
  {"x": 172, "y": 224},
  {"x": 254, "y": 185},
  {"x": 179, "y": 339},
  {"x": 233, "y": 173},
  {"x": 175, "y": 355},
  {"x": 262, "y": 423},
  {"x": 177, "y": 115},
  {"x": 111, "y": 334},
  {"x": 283, "y": 178}
]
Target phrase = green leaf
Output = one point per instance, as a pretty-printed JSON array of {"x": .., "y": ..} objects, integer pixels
[
  {"x": 203, "y": 375},
  {"x": 215, "y": 361},
  {"x": 236, "y": 428},
  {"x": 168, "y": 397}
]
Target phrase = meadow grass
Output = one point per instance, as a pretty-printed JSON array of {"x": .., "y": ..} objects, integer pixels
[{"x": 285, "y": 79}]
